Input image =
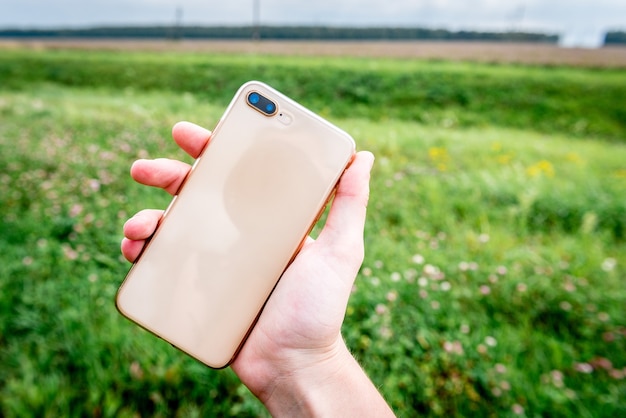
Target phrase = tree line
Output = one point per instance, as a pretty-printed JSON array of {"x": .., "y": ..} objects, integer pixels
[
  {"x": 280, "y": 33},
  {"x": 615, "y": 38}
]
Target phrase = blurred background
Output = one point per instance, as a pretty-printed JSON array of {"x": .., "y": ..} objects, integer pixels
[
  {"x": 494, "y": 280},
  {"x": 577, "y": 22}
]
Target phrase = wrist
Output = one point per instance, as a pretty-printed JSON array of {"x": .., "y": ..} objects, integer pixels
[
  {"x": 304, "y": 388},
  {"x": 332, "y": 384}
]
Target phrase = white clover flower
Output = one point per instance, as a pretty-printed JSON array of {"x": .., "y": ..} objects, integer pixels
[
  {"x": 381, "y": 309},
  {"x": 609, "y": 264},
  {"x": 583, "y": 368},
  {"x": 500, "y": 368},
  {"x": 430, "y": 270}
]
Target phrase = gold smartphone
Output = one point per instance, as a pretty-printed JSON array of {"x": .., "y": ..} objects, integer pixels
[{"x": 235, "y": 225}]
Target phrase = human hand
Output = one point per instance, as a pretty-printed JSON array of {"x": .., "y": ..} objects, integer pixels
[{"x": 295, "y": 354}]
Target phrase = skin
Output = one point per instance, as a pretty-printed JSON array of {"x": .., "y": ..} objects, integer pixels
[{"x": 295, "y": 359}]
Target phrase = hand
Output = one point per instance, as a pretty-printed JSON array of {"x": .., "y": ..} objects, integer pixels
[{"x": 294, "y": 360}]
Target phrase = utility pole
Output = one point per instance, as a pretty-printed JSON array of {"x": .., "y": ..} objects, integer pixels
[
  {"x": 256, "y": 19},
  {"x": 177, "y": 32},
  {"x": 518, "y": 17}
]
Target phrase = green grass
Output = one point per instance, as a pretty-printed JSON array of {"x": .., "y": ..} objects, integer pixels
[
  {"x": 579, "y": 102},
  {"x": 494, "y": 273}
]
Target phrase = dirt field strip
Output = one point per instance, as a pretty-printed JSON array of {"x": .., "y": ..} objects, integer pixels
[{"x": 497, "y": 52}]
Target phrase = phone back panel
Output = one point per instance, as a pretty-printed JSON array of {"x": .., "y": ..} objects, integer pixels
[{"x": 241, "y": 215}]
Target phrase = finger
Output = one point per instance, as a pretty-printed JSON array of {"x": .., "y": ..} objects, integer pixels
[
  {"x": 136, "y": 230},
  {"x": 142, "y": 225},
  {"x": 343, "y": 232},
  {"x": 131, "y": 249},
  {"x": 162, "y": 172},
  {"x": 190, "y": 137}
]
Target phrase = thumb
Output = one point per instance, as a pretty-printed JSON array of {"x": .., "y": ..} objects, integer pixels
[{"x": 342, "y": 234}]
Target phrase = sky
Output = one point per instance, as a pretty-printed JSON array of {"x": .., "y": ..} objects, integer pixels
[{"x": 579, "y": 22}]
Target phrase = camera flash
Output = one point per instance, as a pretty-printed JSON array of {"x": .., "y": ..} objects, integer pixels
[{"x": 284, "y": 118}]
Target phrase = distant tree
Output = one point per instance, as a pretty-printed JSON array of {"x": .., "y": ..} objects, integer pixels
[{"x": 615, "y": 38}]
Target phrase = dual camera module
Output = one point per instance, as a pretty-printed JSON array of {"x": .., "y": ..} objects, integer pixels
[{"x": 261, "y": 103}]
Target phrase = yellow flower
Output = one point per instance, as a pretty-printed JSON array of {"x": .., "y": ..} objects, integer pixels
[
  {"x": 543, "y": 167},
  {"x": 621, "y": 173},
  {"x": 440, "y": 157},
  {"x": 504, "y": 158},
  {"x": 574, "y": 157}
]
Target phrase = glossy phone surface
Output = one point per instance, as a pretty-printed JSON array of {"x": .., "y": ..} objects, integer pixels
[{"x": 235, "y": 225}]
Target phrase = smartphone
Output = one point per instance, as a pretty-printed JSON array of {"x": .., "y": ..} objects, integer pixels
[{"x": 239, "y": 219}]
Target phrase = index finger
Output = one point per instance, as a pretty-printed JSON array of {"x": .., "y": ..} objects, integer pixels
[{"x": 190, "y": 137}]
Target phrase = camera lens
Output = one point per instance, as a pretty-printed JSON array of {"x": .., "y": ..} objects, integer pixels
[
  {"x": 261, "y": 103},
  {"x": 254, "y": 98}
]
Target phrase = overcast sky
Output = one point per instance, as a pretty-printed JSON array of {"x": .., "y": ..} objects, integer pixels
[{"x": 579, "y": 22}]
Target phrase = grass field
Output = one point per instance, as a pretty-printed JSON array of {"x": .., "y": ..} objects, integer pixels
[{"x": 494, "y": 278}]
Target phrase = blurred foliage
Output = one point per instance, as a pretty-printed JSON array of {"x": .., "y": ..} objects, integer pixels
[{"x": 577, "y": 102}]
